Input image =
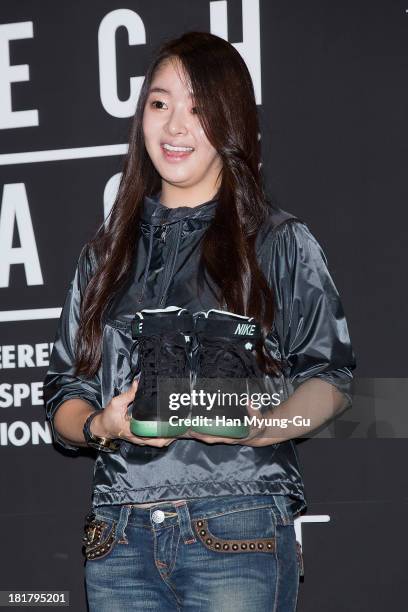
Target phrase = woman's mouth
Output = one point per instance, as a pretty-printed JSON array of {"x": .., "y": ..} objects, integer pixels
[{"x": 175, "y": 154}]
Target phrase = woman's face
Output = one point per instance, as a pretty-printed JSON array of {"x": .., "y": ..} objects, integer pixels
[{"x": 170, "y": 120}]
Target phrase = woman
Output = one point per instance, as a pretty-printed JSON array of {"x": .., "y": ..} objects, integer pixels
[{"x": 198, "y": 520}]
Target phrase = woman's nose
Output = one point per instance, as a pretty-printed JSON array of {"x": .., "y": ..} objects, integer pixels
[{"x": 177, "y": 123}]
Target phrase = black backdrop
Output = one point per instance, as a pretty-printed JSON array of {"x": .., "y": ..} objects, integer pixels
[{"x": 331, "y": 81}]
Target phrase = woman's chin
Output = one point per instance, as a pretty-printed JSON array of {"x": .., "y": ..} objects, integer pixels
[{"x": 180, "y": 178}]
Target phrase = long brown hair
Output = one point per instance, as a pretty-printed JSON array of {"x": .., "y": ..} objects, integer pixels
[{"x": 225, "y": 100}]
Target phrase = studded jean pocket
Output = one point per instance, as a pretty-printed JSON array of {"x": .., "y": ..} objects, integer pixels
[
  {"x": 243, "y": 531},
  {"x": 99, "y": 538}
]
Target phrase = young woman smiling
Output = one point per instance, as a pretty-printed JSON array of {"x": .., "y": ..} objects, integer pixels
[{"x": 196, "y": 522}]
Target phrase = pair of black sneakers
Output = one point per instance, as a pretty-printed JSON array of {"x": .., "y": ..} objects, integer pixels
[{"x": 195, "y": 371}]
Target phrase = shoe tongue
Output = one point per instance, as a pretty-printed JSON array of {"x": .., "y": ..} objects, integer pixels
[
  {"x": 156, "y": 312},
  {"x": 162, "y": 323},
  {"x": 225, "y": 315}
]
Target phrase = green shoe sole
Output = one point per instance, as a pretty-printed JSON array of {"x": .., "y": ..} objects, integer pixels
[
  {"x": 156, "y": 429},
  {"x": 224, "y": 432}
]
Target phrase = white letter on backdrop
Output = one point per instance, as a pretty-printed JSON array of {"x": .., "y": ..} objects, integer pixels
[
  {"x": 107, "y": 61},
  {"x": 110, "y": 193},
  {"x": 15, "y": 211},
  {"x": 250, "y": 47},
  {"x": 13, "y": 74}
]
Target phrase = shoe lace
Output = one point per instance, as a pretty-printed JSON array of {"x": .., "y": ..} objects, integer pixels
[
  {"x": 221, "y": 358},
  {"x": 164, "y": 356}
]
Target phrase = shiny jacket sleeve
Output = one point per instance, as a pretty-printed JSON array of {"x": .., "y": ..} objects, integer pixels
[
  {"x": 60, "y": 383},
  {"x": 310, "y": 321}
]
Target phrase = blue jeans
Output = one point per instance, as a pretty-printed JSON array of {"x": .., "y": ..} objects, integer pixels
[{"x": 215, "y": 554}]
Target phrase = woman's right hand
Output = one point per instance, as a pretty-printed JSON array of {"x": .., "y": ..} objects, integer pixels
[{"x": 114, "y": 421}]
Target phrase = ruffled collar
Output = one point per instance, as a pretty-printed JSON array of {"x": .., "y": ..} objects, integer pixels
[{"x": 155, "y": 213}]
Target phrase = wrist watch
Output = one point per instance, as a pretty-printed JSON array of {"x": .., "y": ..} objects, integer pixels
[{"x": 108, "y": 445}]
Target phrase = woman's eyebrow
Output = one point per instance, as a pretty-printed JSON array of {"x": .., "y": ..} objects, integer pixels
[
  {"x": 163, "y": 90},
  {"x": 158, "y": 90}
]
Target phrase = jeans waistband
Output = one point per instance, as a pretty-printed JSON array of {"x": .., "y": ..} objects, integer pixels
[{"x": 171, "y": 513}]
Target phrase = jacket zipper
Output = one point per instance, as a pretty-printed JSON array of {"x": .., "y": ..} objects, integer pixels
[
  {"x": 193, "y": 355},
  {"x": 189, "y": 350},
  {"x": 171, "y": 260}
]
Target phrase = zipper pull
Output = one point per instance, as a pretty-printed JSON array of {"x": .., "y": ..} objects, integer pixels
[{"x": 163, "y": 234}]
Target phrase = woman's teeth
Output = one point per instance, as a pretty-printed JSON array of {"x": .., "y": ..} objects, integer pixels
[{"x": 170, "y": 148}]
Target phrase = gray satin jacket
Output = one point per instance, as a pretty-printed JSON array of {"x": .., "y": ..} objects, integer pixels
[{"x": 310, "y": 332}]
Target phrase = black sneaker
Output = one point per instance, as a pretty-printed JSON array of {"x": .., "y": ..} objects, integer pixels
[
  {"x": 224, "y": 361},
  {"x": 163, "y": 339}
]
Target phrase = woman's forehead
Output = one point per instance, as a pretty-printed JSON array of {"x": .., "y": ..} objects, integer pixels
[{"x": 164, "y": 78}]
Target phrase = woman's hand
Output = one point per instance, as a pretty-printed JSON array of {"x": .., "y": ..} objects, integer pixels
[
  {"x": 255, "y": 434},
  {"x": 114, "y": 421}
]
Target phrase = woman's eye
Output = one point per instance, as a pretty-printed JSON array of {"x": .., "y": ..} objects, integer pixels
[
  {"x": 195, "y": 110},
  {"x": 157, "y": 102}
]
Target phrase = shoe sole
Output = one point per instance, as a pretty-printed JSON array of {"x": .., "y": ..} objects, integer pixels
[
  {"x": 156, "y": 429},
  {"x": 224, "y": 432}
]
